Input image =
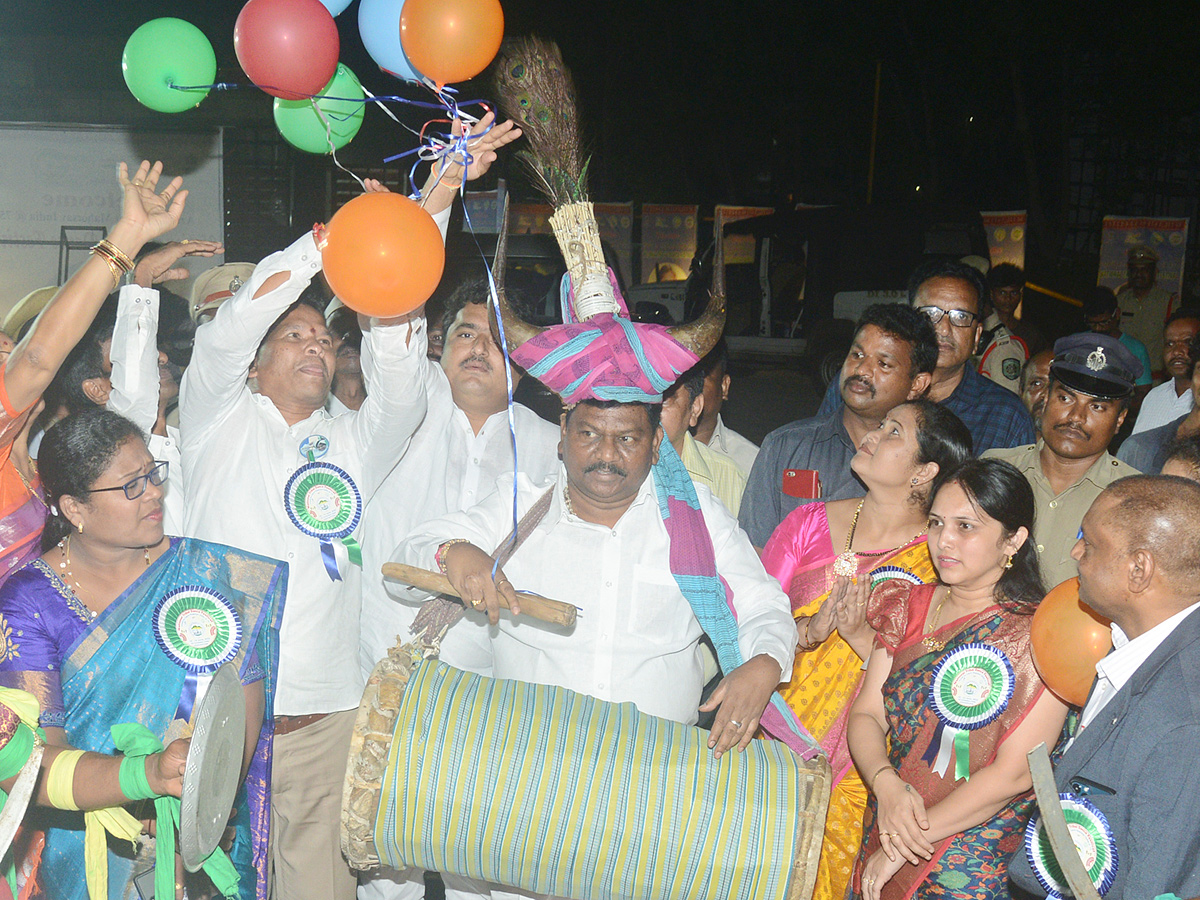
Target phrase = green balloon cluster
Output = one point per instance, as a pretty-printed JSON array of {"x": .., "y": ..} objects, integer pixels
[
  {"x": 325, "y": 123},
  {"x": 163, "y": 54}
]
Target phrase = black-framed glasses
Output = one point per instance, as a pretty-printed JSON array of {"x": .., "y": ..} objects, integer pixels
[
  {"x": 135, "y": 487},
  {"x": 959, "y": 318}
]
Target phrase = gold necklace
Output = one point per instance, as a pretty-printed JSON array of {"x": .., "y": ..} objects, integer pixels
[
  {"x": 64, "y": 565},
  {"x": 846, "y": 562},
  {"x": 24, "y": 480},
  {"x": 929, "y": 641},
  {"x": 567, "y": 500}
]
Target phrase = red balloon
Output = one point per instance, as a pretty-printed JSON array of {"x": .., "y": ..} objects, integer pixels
[
  {"x": 451, "y": 40},
  {"x": 383, "y": 255},
  {"x": 1069, "y": 638},
  {"x": 289, "y": 48}
]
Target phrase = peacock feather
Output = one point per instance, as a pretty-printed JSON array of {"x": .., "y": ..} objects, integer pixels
[{"x": 536, "y": 90}]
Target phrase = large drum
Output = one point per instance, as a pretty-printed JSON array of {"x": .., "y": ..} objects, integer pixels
[{"x": 551, "y": 791}]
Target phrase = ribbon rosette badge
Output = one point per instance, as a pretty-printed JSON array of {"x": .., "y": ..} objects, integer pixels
[
  {"x": 971, "y": 687},
  {"x": 197, "y": 628},
  {"x": 323, "y": 501},
  {"x": 1094, "y": 842}
]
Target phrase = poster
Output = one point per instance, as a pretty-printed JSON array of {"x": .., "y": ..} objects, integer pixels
[
  {"x": 1166, "y": 237},
  {"x": 1006, "y": 236},
  {"x": 530, "y": 218},
  {"x": 668, "y": 241},
  {"x": 483, "y": 210},
  {"x": 739, "y": 249},
  {"x": 616, "y": 231}
]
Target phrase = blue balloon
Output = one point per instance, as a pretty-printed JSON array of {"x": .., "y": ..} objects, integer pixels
[
  {"x": 336, "y": 6},
  {"x": 379, "y": 25}
]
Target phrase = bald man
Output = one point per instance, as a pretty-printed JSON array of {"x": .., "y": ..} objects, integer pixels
[{"x": 1135, "y": 754}]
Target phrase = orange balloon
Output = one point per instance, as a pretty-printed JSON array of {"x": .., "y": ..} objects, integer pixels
[
  {"x": 451, "y": 40},
  {"x": 383, "y": 255},
  {"x": 1069, "y": 638}
]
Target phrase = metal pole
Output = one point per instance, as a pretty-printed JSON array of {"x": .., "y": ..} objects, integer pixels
[{"x": 874, "y": 132}]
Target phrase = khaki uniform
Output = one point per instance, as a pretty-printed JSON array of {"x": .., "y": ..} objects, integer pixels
[
  {"x": 1144, "y": 319},
  {"x": 1057, "y": 517}
]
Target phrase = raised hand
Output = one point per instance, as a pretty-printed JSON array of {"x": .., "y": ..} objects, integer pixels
[
  {"x": 159, "y": 265},
  {"x": 146, "y": 212}
]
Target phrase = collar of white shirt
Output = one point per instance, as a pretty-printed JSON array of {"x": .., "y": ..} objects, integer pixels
[{"x": 1115, "y": 670}]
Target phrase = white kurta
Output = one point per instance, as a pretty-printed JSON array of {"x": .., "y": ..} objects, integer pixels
[
  {"x": 447, "y": 468},
  {"x": 239, "y": 453},
  {"x": 638, "y": 639}
]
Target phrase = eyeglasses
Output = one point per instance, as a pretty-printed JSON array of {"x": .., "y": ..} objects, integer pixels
[
  {"x": 959, "y": 318},
  {"x": 135, "y": 487}
]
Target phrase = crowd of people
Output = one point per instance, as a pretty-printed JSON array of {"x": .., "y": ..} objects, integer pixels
[{"x": 258, "y": 476}]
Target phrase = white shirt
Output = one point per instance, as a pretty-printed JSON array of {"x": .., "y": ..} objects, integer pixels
[
  {"x": 239, "y": 453},
  {"x": 1114, "y": 671},
  {"x": 1162, "y": 405},
  {"x": 135, "y": 385},
  {"x": 638, "y": 639},
  {"x": 742, "y": 451},
  {"x": 447, "y": 468}
]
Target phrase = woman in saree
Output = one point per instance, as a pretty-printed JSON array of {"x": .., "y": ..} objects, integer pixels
[
  {"x": 27, "y": 368},
  {"x": 898, "y": 463},
  {"x": 949, "y": 710},
  {"x": 117, "y": 623}
]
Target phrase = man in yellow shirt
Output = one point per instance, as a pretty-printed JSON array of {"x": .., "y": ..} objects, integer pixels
[{"x": 682, "y": 406}]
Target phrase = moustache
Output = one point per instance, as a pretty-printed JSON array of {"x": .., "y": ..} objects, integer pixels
[
  {"x": 606, "y": 468},
  {"x": 473, "y": 359},
  {"x": 859, "y": 379},
  {"x": 1068, "y": 426}
]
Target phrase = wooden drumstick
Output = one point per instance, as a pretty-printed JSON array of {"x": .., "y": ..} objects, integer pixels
[{"x": 533, "y": 605}]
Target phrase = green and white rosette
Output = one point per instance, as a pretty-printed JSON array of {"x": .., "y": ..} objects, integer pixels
[
  {"x": 971, "y": 687},
  {"x": 892, "y": 573},
  {"x": 199, "y": 630},
  {"x": 1094, "y": 841},
  {"x": 323, "y": 501}
]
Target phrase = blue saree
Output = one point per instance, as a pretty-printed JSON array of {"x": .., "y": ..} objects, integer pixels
[{"x": 143, "y": 660}]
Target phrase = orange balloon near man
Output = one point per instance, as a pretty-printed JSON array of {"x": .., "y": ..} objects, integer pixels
[
  {"x": 451, "y": 40},
  {"x": 383, "y": 254},
  {"x": 1069, "y": 638}
]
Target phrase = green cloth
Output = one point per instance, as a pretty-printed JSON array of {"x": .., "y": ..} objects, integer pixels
[{"x": 133, "y": 739}]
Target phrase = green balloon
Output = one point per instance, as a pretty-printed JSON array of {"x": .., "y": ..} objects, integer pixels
[
  {"x": 305, "y": 128},
  {"x": 166, "y": 52}
]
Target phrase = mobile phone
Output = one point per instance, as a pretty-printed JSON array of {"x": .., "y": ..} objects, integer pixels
[{"x": 144, "y": 883}]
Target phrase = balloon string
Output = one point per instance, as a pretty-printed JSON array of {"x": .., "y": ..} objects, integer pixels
[
  {"x": 494, "y": 301},
  {"x": 333, "y": 149}
]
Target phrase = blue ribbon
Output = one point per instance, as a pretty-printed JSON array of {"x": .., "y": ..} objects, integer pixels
[
  {"x": 931, "y": 752},
  {"x": 329, "y": 558},
  {"x": 187, "y": 699}
]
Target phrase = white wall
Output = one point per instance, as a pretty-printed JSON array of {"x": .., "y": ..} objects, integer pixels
[{"x": 56, "y": 175}]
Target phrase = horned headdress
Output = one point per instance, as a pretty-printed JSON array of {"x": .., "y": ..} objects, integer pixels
[{"x": 598, "y": 352}]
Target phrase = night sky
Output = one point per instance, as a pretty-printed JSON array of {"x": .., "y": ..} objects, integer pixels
[{"x": 739, "y": 102}]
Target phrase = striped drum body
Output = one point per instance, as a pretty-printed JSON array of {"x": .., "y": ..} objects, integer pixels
[{"x": 551, "y": 791}]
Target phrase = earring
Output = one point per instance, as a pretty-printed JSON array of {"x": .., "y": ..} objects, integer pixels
[
  {"x": 1008, "y": 563},
  {"x": 81, "y": 526},
  {"x": 914, "y": 481}
]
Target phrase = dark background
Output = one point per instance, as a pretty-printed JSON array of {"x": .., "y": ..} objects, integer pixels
[{"x": 1070, "y": 110}]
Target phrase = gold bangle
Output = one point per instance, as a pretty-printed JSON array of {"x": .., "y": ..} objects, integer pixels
[
  {"x": 808, "y": 641},
  {"x": 879, "y": 772},
  {"x": 117, "y": 253}
]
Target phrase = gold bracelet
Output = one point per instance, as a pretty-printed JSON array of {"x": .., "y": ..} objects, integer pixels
[
  {"x": 874, "y": 777},
  {"x": 808, "y": 643},
  {"x": 117, "y": 253}
]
